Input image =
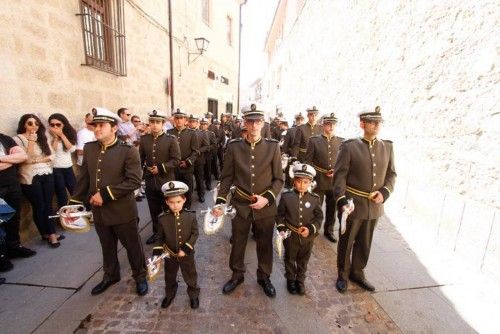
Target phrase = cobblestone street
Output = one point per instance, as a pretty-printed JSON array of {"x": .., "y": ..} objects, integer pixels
[{"x": 247, "y": 309}]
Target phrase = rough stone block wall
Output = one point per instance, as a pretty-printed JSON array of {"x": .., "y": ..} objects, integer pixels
[
  {"x": 431, "y": 66},
  {"x": 42, "y": 52}
]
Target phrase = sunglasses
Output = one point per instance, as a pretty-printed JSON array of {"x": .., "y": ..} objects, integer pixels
[
  {"x": 30, "y": 123},
  {"x": 128, "y": 114},
  {"x": 55, "y": 125}
]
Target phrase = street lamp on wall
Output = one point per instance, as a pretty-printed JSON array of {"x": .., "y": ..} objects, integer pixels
[{"x": 201, "y": 45}]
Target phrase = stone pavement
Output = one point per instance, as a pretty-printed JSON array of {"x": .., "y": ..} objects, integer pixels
[{"x": 50, "y": 293}]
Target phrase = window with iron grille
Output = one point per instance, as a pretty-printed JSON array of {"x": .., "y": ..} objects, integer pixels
[
  {"x": 103, "y": 30},
  {"x": 229, "y": 107}
]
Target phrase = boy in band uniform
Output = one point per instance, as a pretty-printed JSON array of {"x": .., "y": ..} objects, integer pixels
[
  {"x": 178, "y": 231},
  {"x": 300, "y": 212}
]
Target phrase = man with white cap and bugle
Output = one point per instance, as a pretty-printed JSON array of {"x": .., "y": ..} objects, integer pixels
[
  {"x": 111, "y": 171},
  {"x": 160, "y": 155},
  {"x": 365, "y": 172},
  {"x": 253, "y": 166},
  {"x": 321, "y": 154},
  {"x": 306, "y": 131}
]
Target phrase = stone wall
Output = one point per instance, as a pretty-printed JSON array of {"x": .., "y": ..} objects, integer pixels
[{"x": 431, "y": 66}]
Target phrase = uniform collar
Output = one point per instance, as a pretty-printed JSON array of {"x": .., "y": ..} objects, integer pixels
[
  {"x": 159, "y": 135},
  {"x": 255, "y": 143},
  {"x": 311, "y": 125},
  {"x": 180, "y": 129},
  {"x": 326, "y": 137},
  {"x": 299, "y": 193},
  {"x": 113, "y": 143},
  {"x": 369, "y": 142}
]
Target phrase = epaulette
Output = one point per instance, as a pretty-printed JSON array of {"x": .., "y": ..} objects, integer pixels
[
  {"x": 387, "y": 141},
  {"x": 189, "y": 210},
  {"x": 314, "y": 194},
  {"x": 315, "y": 136},
  {"x": 348, "y": 140},
  {"x": 125, "y": 144},
  {"x": 163, "y": 213},
  {"x": 287, "y": 190},
  {"x": 234, "y": 140},
  {"x": 341, "y": 138},
  {"x": 272, "y": 140}
]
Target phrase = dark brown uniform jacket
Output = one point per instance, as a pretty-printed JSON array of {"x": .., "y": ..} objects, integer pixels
[
  {"x": 322, "y": 154},
  {"x": 253, "y": 169},
  {"x": 189, "y": 146},
  {"x": 204, "y": 145},
  {"x": 99, "y": 173},
  {"x": 178, "y": 232},
  {"x": 295, "y": 211},
  {"x": 162, "y": 151},
  {"x": 288, "y": 146},
  {"x": 361, "y": 168},
  {"x": 302, "y": 135}
]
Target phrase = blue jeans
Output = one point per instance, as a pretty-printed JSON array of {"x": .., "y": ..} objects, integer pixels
[
  {"x": 64, "y": 178},
  {"x": 39, "y": 193}
]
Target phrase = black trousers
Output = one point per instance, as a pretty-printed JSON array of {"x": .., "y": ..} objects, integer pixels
[
  {"x": 64, "y": 178},
  {"x": 187, "y": 178},
  {"x": 220, "y": 157},
  {"x": 358, "y": 240},
  {"x": 297, "y": 254},
  {"x": 12, "y": 194},
  {"x": 156, "y": 202},
  {"x": 207, "y": 170},
  {"x": 215, "y": 167},
  {"x": 39, "y": 193},
  {"x": 199, "y": 177},
  {"x": 128, "y": 235},
  {"x": 327, "y": 195},
  {"x": 189, "y": 274},
  {"x": 263, "y": 232}
]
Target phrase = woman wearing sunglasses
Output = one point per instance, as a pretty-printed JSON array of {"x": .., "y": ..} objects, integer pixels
[
  {"x": 36, "y": 175},
  {"x": 63, "y": 144}
]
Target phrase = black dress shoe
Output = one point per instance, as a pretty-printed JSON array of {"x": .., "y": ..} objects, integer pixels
[
  {"x": 231, "y": 285},
  {"x": 362, "y": 282},
  {"x": 291, "y": 285},
  {"x": 341, "y": 285},
  {"x": 301, "y": 289},
  {"x": 195, "y": 303},
  {"x": 20, "y": 251},
  {"x": 330, "y": 237},
  {"x": 141, "y": 287},
  {"x": 2, "y": 280},
  {"x": 268, "y": 287},
  {"x": 103, "y": 286},
  {"x": 167, "y": 301},
  {"x": 152, "y": 239}
]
